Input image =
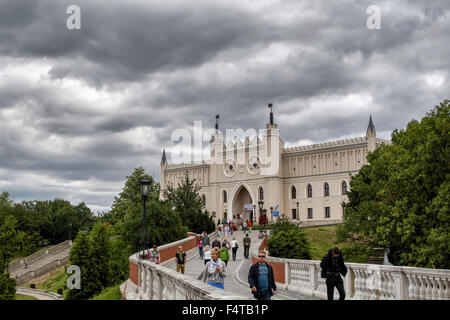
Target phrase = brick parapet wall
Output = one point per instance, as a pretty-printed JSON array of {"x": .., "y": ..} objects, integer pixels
[{"x": 167, "y": 252}]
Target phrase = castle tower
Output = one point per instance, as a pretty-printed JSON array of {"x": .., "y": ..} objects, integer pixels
[
  {"x": 371, "y": 136},
  {"x": 162, "y": 178}
]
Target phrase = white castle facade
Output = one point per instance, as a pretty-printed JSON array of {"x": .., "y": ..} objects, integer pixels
[{"x": 307, "y": 183}]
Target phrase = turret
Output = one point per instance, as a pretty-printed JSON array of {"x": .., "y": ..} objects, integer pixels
[{"x": 371, "y": 136}]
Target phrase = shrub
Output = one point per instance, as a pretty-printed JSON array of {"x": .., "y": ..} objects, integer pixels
[{"x": 291, "y": 244}]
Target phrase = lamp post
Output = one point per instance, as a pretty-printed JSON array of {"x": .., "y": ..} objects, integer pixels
[
  {"x": 271, "y": 215},
  {"x": 260, "y": 205},
  {"x": 254, "y": 213},
  {"x": 145, "y": 193}
]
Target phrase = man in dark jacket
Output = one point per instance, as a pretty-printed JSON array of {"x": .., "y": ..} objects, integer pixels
[
  {"x": 332, "y": 267},
  {"x": 261, "y": 279}
]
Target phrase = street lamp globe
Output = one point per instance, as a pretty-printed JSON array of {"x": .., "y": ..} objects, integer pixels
[
  {"x": 260, "y": 203},
  {"x": 145, "y": 187}
]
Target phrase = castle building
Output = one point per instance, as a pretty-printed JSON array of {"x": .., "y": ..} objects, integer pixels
[{"x": 306, "y": 183}]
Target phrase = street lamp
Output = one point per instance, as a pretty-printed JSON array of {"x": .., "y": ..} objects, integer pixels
[
  {"x": 260, "y": 204},
  {"x": 271, "y": 214},
  {"x": 254, "y": 213},
  {"x": 145, "y": 194}
]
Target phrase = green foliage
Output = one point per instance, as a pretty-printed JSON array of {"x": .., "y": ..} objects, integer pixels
[
  {"x": 11, "y": 240},
  {"x": 119, "y": 264},
  {"x": 110, "y": 293},
  {"x": 81, "y": 255},
  {"x": 163, "y": 225},
  {"x": 284, "y": 224},
  {"x": 189, "y": 205},
  {"x": 100, "y": 254},
  {"x": 7, "y": 287},
  {"x": 291, "y": 244},
  {"x": 44, "y": 221},
  {"x": 401, "y": 199}
]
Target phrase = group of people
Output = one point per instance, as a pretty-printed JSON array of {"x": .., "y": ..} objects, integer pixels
[{"x": 261, "y": 275}]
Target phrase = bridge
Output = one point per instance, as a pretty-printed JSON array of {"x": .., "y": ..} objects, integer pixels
[{"x": 296, "y": 279}]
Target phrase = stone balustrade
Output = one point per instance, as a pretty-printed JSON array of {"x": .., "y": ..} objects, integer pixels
[
  {"x": 13, "y": 265},
  {"x": 151, "y": 281},
  {"x": 364, "y": 281}
]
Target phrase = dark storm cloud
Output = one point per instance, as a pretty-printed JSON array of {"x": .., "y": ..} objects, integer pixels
[{"x": 80, "y": 109}]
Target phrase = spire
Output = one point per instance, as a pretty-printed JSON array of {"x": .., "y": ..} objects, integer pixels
[
  {"x": 217, "y": 122},
  {"x": 271, "y": 113},
  {"x": 164, "y": 158},
  {"x": 371, "y": 127}
]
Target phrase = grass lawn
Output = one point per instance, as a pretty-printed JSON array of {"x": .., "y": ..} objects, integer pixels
[
  {"x": 321, "y": 239},
  {"x": 22, "y": 297},
  {"x": 51, "y": 281},
  {"x": 111, "y": 293}
]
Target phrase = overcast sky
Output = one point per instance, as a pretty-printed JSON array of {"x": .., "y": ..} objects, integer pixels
[{"x": 80, "y": 109}]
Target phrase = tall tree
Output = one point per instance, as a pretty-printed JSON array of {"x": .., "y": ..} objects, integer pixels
[
  {"x": 400, "y": 200},
  {"x": 189, "y": 204},
  {"x": 163, "y": 225},
  {"x": 81, "y": 256},
  {"x": 10, "y": 241},
  {"x": 100, "y": 254}
]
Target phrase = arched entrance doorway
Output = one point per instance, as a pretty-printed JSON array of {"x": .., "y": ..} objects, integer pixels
[{"x": 241, "y": 197}]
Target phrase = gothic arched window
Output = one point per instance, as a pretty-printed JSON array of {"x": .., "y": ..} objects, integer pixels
[
  {"x": 309, "y": 190},
  {"x": 224, "y": 196},
  {"x": 326, "y": 189},
  {"x": 261, "y": 193},
  {"x": 344, "y": 187},
  {"x": 293, "y": 192}
]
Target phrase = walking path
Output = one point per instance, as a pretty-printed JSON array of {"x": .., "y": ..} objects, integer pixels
[
  {"x": 38, "y": 294},
  {"x": 236, "y": 271}
]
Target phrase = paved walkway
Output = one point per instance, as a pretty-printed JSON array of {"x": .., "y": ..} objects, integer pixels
[{"x": 237, "y": 271}]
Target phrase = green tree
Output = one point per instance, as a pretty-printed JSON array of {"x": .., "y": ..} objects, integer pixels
[
  {"x": 400, "y": 200},
  {"x": 7, "y": 287},
  {"x": 189, "y": 204},
  {"x": 100, "y": 254},
  {"x": 80, "y": 255},
  {"x": 290, "y": 244},
  {"x": 163, "y": 225},
  {"x": 119, "y": 263},
  {"x": 11, "y": 240}
]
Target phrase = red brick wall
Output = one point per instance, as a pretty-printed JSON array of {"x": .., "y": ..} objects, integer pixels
[
  {"x": 134, "y": 273},
  {"x": 169, "y": 253},
  {"x": 166, "y": 254}
]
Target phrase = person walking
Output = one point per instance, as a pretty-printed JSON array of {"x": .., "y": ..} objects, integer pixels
[
  {"x": 246, "y": 241},
  {"x": 261, "y": 278},
  {"x": 207, "y": 254},
  {"x": 205, "y": 239},
  {"x": 215, "y": 270},
  {"x": 226, "y": 243},
  {"x": 244, "y": 226},
  {"x": 180, "y": 259},
  {"x": 200, "y": 247},
  {"x": 249, "y": 225},
  {"x": 226, "y": 230},
  {"x": 234, "y": 247},
  {"x": 224, "y": 255},
  {"x": 216, "y": 243},
  {"x": 333, "y": 266},
  {"x": 154, "y": 255}
]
